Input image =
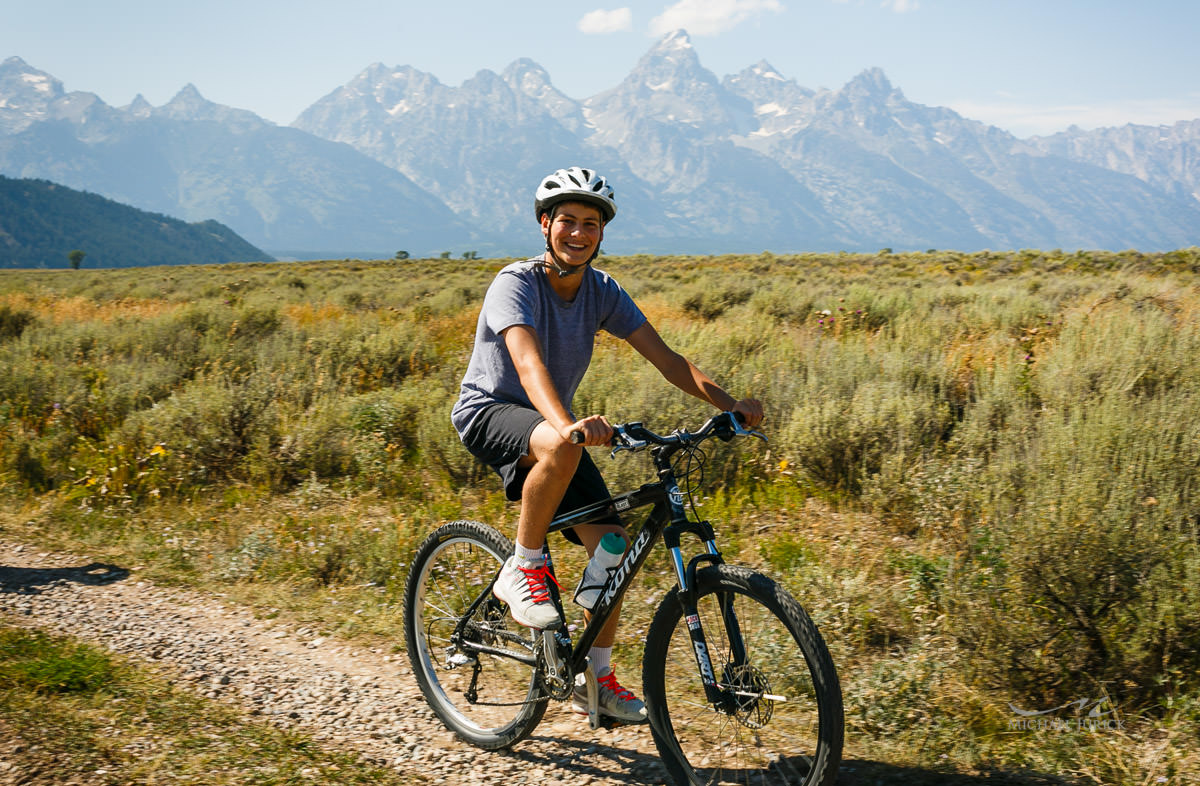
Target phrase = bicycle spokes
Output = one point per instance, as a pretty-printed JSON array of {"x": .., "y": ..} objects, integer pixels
[
  {"x": 770, "y": 714},
  {"x": 476, "y": 667}
]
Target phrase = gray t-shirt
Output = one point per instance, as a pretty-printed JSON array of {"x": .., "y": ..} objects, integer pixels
[{"x": 521, "y": 295}]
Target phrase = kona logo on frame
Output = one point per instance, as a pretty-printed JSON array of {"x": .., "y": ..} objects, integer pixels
[{"x": 635, "y": 550}]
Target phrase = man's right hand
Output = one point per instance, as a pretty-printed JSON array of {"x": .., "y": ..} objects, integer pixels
[{"x": 596, "y": 431}]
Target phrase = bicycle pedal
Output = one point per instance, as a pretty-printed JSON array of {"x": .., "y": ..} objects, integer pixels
[{"x": 607, "y": 722}]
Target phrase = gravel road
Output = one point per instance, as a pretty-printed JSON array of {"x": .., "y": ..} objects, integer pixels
[{"x": 349, "y": 699}]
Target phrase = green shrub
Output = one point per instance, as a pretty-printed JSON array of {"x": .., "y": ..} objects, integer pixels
[
  {"x": 13, "y": 321},
  {"x": 209, "y": 427},
  {"x": 1081, "y": 563},
  {"x": 40, "y": 663},
  {"x": 709, "y": 304}
]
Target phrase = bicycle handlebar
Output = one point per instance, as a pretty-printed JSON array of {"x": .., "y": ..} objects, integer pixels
[{"x": 635, "y": 436}]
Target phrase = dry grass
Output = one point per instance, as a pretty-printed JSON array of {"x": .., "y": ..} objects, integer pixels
[{"x": 957, "y": 434}]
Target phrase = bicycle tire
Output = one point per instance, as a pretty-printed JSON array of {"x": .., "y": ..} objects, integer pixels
[
  {"x": 763, "y": 739},
  {"x": 448, "y": 572}
]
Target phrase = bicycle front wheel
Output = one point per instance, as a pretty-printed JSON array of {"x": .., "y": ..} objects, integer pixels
[
  {"x": 779, "y": 716},
  {"x": 471, "y": 660}
]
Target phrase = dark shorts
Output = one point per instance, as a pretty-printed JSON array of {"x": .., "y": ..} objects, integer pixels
[{"x": 499, "y": 437}]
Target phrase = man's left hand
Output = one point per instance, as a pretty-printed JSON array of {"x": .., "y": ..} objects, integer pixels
[{"x": 750, "y": 410}]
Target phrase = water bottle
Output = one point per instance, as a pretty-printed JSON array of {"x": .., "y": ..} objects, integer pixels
[{"x": 603, "y": 562}]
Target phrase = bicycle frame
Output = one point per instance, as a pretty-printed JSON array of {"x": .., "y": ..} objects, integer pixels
[{"x": 668, "y": 518}]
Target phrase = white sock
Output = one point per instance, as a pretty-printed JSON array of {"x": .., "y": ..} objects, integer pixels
[
  {"x": 528, "y": 556},
  {"x": 601, "y": 659}
]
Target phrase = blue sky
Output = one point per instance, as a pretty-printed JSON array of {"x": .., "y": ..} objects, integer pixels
[{"x": 1029, "y": 66}]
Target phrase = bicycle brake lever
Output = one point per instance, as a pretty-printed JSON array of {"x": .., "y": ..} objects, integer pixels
[
  {"x": 741, "y": 431},
  {"x": 632, "y": 446},
  {"x": 623, "y": 441},
  {"x": 618, "y": 448},
  {"x": 746, "y": 432}
]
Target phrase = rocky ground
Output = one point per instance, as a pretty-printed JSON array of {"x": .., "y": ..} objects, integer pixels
[{"x": 348, "y": 698}]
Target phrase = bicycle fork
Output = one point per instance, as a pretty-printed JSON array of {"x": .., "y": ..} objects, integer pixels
[{"x": 722, "y": 696}]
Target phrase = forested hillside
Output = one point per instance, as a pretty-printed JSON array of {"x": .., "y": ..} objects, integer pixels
[{"x": 41, "y": 223}]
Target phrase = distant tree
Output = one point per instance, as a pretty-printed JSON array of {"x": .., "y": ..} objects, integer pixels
[
  {"x": 76, "y": 258},
  {"x": 445, "y": 255},
  {"x": 401, "y": 255},
  {"x": 470, "y": 255}
]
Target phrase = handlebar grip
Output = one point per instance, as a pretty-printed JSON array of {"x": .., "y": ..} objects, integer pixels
[{"x": 577, "y": 437}]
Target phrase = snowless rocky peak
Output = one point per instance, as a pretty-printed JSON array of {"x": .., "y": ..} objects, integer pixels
[
  {"x": 140, "y": 107},
  {"x": 187, "y": 103},
  {"x": 872, "y": 83}
]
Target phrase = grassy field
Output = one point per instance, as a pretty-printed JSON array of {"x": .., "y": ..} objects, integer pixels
[{"x": 983, "y": 479}]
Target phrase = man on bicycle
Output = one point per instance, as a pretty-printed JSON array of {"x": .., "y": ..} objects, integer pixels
[{"x": 533, "y": 344}]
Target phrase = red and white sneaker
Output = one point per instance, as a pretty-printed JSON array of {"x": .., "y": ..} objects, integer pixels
[
  {"x": 527, "y": 593},
  {"x": 614, "y": 701}
]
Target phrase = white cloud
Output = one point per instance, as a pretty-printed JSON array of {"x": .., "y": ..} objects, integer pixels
[
  {"x": 601, "y": 21},
  {"x": 709, "y": 17},
  {"x": 1024, "y": 120}
]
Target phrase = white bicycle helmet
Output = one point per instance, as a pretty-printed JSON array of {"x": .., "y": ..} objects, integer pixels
[{"x": 575, "y": 184}]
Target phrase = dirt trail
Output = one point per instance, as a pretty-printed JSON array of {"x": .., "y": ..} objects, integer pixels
[{"x": 349, "y": 699}]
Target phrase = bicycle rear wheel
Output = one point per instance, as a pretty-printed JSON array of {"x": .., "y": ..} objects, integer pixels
[
  {"x": 780, "y": 718},
  {"x": 490, "y": 700}
]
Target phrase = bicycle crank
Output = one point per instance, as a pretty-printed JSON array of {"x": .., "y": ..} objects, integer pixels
[{"x": 554, "y": 665}]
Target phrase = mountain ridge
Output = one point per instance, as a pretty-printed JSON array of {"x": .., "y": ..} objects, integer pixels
[
  {"x": 855, "y": 167},
  {"x": 41, "y": 223},
  {"x": 744, "y": 162},
  {"x": 278, "y": 187}
]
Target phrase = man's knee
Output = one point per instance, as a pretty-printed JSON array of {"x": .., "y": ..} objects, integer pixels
[
  {"x": 547, "y": 447},
  {"x": 563, "y": 457}
]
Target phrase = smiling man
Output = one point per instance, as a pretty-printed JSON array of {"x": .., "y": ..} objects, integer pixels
[{"x": 533, "y": 344}]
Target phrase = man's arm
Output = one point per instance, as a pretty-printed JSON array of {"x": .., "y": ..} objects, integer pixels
[
  {"x": 526, "y": 353},
  {"x": 681, "y": 373}
]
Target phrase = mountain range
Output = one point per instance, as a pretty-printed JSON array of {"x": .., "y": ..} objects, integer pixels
[
  {"x": 394, "y": 160},
  {"x": 280, "y": 188}
]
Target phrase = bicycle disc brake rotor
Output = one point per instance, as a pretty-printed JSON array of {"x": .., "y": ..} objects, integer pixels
[{"x": 750, "y": 689}]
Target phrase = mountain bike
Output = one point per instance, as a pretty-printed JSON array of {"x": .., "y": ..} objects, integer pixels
[{"x": 738, "y": 683}]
